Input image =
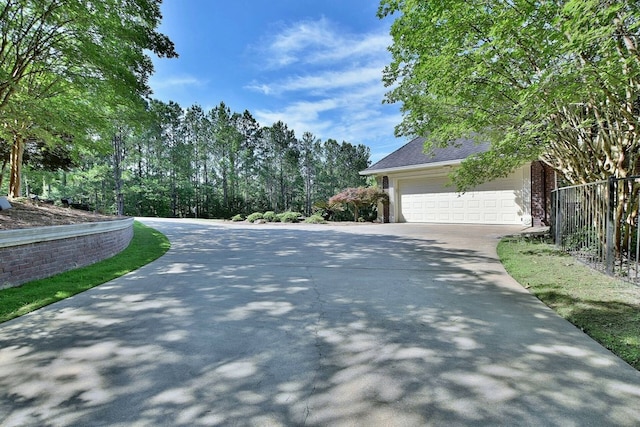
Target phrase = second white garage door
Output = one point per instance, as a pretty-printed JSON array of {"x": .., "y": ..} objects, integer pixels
[{"x": 430, "y": 200}]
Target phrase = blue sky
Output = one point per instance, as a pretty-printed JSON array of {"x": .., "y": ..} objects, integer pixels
[{"x": 315, "y": 65}]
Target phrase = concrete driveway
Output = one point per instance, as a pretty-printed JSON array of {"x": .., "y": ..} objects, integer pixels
[{"x": 366, "y": 325}]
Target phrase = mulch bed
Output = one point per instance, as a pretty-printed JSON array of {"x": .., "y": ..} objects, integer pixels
[{"x": 26, "y": 214}]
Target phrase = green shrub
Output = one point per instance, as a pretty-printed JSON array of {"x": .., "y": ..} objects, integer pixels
[
  {"x": 237, "y": 218},
  {"x": 315, "y": 219},
  {"x": 289, "y": 216},
  {"x": 269, "y": 216},
  {"x": 254, "y": 216}
]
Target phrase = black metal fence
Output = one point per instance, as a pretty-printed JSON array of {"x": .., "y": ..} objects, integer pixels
[{"x": 598, "y": 224}]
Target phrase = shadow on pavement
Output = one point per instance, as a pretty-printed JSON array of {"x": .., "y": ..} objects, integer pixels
[{"x": 251, "y": 326}]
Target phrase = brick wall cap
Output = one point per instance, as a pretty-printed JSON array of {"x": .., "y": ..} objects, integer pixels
[{"x": 25, "y": 236}]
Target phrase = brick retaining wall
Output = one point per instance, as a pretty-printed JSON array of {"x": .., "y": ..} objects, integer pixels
[{"x": 22, "y": 263}]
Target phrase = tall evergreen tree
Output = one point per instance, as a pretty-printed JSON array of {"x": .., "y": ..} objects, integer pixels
[{"x": 310, "y": 152}]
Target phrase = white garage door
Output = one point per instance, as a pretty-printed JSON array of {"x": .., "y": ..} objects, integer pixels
[{"x": 430, "y": 200}]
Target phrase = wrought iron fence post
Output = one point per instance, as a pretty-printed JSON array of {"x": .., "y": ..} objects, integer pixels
[{"x": 611, "y": 209}]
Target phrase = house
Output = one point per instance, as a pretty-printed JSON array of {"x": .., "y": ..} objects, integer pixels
[{"x": 420, "y": 190}]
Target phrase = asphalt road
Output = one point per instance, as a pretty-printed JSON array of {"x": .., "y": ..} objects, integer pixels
[{"x": 364, "y": 325}]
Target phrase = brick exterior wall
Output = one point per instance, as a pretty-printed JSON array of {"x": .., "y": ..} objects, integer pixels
[
  {"x": 24, "y": 263},
  {"x": 542, "y": 183}
]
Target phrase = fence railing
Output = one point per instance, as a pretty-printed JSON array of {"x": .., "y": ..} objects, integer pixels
[{"x": 597, "y": 223}]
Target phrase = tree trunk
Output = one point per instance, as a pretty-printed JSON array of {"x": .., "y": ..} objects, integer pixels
[
  {"x": 117, "y": 172},
  {"x": 225, "y": 190},
  {"x": 17, "y": 152},
  {"x": 139, "y": 147},
  {"x": 174, "y": 196},
  {"x": 307, "y": 196}
]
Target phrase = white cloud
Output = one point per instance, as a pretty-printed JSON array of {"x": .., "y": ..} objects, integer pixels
[
  {"x": 356, "y": 116},
  {"x": 322, "y": 81},
  {"x": 175, "y": 82},
  {"x": 319, "y": 42},
  {"x": 328, "y": 82},
  {"x": 369, "y": 46},
  {"x": 302, "y": 116},
  {"x": 260, "y": 87},
  {"x": 290, "y": 44}
]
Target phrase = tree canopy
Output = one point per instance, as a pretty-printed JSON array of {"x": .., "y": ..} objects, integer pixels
[
  {"x": 83, "y": 41},
  {"x": 554, "y": 80},
  {"x": 66, "y": 65}
]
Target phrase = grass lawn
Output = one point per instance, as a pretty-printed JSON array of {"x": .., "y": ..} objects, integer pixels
[
  {"x": 606, "y": 309},
  {"x": 147, "y": 245}
]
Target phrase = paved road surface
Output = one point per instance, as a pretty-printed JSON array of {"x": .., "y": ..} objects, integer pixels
[{"x": 390, "y": 325}]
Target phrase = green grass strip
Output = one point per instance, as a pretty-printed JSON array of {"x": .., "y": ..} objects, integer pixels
[
  {"x": 606, "y": 309},
  {"x": 146, "y": 245}
]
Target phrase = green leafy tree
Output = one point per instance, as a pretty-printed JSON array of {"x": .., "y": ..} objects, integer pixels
[
  {"x": 310, "y": 151},
  {"x": 351, "y": 160},
  {"x": 329, "y": 176},
  {"x": 251, "y": 133},
  {"x": 177, "y": 153},
  {"x": 156, "y": 161},
  {"x": 226, "y": 141},
  {"x": 279, "y": 171},
  {"x": 341, "y": 164},
  {"x": 59, "y": 115},
  {"x": 66, "y": 52},
  {"x": 81, "y": 40},
  {"x": 145, "y": 191},
  {"x": 556, "y": 80},
  {"x": 195, "y": 125}
]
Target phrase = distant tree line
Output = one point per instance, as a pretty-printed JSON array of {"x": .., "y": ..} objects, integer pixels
[
  {"x": 219, "y": 163},
  {"x": 190, "y": 162}
]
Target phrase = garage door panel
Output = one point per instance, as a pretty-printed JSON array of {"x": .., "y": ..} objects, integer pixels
[
  {"x": 490, "y": 217},
  {"x": 473, "y": 204},
  {"x": 431, "y": 200},
  {"x": 474, "y": 217}
]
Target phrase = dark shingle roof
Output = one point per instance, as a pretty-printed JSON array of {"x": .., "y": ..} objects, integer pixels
[{"x": 412, "y": 154}]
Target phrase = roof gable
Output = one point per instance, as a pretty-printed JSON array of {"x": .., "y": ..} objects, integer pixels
[{"x": 413, "y": 154}]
